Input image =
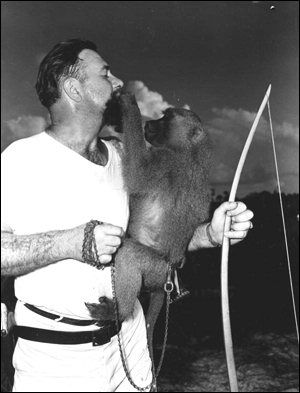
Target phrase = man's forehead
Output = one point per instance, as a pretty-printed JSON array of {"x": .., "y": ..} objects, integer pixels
[{"x": 91, "y": 57}]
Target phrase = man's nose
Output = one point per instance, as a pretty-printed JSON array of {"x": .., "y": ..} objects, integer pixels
[{"x": 117, "y": 83}]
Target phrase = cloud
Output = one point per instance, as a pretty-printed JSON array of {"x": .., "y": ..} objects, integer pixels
[
  {"x": 230, "y": 128},
  {"x": 151, "y": 103},
  {"x": 22, "y": 127}
]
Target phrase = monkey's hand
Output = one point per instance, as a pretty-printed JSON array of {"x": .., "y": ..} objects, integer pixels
[
  {"x": 129, "y": 107},
  {"x": 132, "y": 128},
  {"x": 122, "y": 111},
  {"x": 102, "y": 311}
]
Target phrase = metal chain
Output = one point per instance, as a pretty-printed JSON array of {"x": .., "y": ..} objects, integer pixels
[
  {"x": 89, "y": 248},
  {"x": 165, "y": 335},
  {"x": 88, "y": 256},
  {"x": 169, "y": 290}
]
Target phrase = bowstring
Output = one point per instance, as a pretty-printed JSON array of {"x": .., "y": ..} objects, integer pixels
[{"x": 283, "y": 222}]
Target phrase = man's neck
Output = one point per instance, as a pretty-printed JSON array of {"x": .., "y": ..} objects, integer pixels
[{"x": 84, "y": 142}]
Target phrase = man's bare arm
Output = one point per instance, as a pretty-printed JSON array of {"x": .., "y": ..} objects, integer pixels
[
  {"x": 199, "y": 239},
  {"x": 21, "y": 254}
]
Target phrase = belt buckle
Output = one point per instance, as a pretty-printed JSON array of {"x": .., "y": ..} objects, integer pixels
[{"x": 101, "y": 337}]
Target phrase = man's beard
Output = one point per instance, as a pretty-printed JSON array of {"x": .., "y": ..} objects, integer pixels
[{"x": 112, "y": 113}]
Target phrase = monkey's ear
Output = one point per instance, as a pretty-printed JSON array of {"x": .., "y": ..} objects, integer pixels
[{"x": 194, "y": 132}]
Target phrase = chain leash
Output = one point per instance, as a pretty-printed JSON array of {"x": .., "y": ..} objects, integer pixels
[
  {"x": 89, "y": 248},
  {"x": 90, "y": 256},
  {"x": 168, "y": 288}
]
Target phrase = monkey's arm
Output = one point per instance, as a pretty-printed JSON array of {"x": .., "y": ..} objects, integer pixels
[{"x": 135, "y": 148}]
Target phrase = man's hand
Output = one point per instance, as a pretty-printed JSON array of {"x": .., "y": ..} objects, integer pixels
[
  {"x": 108, "y": 239},
  {"x": 240, "y": 225},
  {"x": 240, "y": 222},
  {"x": 7, "y": 320}
]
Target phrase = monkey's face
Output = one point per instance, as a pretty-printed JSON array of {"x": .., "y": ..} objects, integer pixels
[{"x": 177, "y": 128}]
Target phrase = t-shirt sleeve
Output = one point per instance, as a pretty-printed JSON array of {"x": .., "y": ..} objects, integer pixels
[{"x": 10, "y": 191}]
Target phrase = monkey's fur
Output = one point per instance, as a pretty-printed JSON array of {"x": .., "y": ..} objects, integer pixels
[{"x": 168, "y": 187}]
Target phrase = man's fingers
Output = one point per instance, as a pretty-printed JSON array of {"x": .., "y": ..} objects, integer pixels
[
  {"x": 109, "y": 250},
  {"x": 245, "y": 216},
  {"x": 226, "y": 207},
  {"x": 238, "y": 210},
  {"x": 109, "y": 235},
  {"x": 112, "y": 230},
  {"x": 239, "y": 230},
  {"x": 241, "y": 226},
  {"x": 236, "y": 234},
  {"x": 105, "y": 258},
  {"x": 108, "y": 238},
  {"x": 113, "y": 241}
]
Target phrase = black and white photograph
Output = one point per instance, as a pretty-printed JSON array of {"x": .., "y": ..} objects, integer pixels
[{"x": 149, "y": 196}]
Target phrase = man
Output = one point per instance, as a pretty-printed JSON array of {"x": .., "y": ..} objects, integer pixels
[{"x": 53, "y": 184}]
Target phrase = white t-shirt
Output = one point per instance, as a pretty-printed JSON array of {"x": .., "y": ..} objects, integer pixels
[{"x": 46, "y": 186}]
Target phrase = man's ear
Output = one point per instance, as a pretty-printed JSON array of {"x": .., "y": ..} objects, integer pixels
[{"x": 72, "y": 88}]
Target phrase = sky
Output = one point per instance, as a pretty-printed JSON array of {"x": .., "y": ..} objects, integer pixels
[{"x": 215, "y": 57}]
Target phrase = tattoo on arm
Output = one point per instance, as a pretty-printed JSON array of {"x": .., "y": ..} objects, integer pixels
[{"x": 21, "y": 254}]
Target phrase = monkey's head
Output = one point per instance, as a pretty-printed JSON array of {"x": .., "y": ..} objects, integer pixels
[{"x": 178, "y": 128}]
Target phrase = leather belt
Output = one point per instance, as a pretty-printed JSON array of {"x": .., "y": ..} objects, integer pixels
[
  {"x": 97, "y": 337},
  {"x": 58, "y": 318}
]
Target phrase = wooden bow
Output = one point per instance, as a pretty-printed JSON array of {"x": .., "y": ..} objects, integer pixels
[{"x": 225, "y": 253}]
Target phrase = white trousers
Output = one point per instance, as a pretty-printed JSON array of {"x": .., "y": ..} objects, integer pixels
[{"x": 42, "y": 367}]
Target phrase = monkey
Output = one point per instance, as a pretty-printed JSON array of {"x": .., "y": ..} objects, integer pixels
[{"x": 168, "y": 186}]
